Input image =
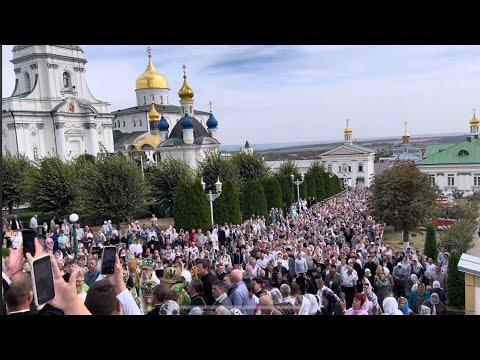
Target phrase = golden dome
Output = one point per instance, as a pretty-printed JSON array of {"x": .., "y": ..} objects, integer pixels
[
  {"x": 153, "y": 114},
  {"x": 186, "y": 92},
  {"x": 145, "y": 139},
  {"x": 151, "y": 78},
  {"x": 474, "y": 121},
  {"x": 406, "y": 134},
  {"x": 347, "y": 130}
]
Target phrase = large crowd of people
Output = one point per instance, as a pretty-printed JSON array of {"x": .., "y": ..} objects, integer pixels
[{"x": 325, "y": 258}]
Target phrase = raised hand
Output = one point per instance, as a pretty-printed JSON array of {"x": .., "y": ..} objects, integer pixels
[
  {"x": 66, "y": 297},
  {"x": 15, "y": 262}
]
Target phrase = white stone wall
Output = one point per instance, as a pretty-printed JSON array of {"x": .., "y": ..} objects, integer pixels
[
  {"x": 463, "y": 176},
  {"x": 161, "y": 96},
  {"x": 336, "y": 161}
]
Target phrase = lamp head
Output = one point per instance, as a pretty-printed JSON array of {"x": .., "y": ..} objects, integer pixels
[
  {"x": 218, "y": 186},
  {"x": 73, "y": 218}
]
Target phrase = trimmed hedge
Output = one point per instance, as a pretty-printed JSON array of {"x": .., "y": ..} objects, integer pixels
[{"x": 86, "y": 219}]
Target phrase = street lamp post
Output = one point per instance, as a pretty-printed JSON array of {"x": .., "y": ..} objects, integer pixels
[
  {"x": 345, "y": 181},
  {"x": 298, "y": 183},
  {"x": 73, "y": 220},
  {"x": 211, "y": 197}
]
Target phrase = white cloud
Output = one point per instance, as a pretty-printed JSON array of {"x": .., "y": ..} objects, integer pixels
[{"x": 269, "y": 94}]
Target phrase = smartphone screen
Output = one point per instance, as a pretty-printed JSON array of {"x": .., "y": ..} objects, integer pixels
[
  {"x": 42, "y": 278},
  {"x": 28, "y": 236},
  {"x": 108, "y": 259}
]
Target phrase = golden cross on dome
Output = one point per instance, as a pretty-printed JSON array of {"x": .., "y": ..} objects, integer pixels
[
  {"x": 210, "y": 104},
  {"x": 184, "y": 72},
  {"x": 347, "y": 122},
  {"x": 405, "y": 126},
  {"x": 473, "y": 112},
  {"x": 149, "y": 51}
]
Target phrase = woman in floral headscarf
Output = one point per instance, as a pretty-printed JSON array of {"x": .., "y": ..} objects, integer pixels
[
  {"x": 374, "y": 307},
  {"x": 417, "y": 297},
  {"x": 436, "y": 306}
]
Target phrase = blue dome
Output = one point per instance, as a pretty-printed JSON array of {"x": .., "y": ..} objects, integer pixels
[
  {"x": 163, "y": 124},
  {"x": 187, "y": 122},
  {"x": 212, "y": 123}
]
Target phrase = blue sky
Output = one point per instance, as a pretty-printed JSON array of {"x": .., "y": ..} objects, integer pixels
[{"x": 291, "y": 93}]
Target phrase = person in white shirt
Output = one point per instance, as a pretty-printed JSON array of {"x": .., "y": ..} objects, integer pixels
[
  {"x": 349, "y": 281},
  {"x": 33, "y": 222},
  {"x": 135, "y": 248},
  {"x": 262, "y": 262}
]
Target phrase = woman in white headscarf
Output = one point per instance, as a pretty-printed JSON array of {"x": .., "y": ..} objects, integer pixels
[
  {"x": 424, "y": 310},
  {"x": 302, "y": 305},
  {"x": 412, "y": 280},
  {"x": 314, "y": 304},
  {"x": 390, "y": 306}
]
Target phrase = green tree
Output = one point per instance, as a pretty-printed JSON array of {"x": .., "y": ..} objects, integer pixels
[
  {"x": 51, "y": 186},
  {"x": 164, "y": 178},
  {"x": 310, "y": 181},
  {"x": 213, "y": 167},
  {"x": 460, "y": 236},
  {"x": 83, "y": 167},
  {"x": 431, "y": 249},
  {"x": 286, "y": 186},
  {"x": 227, "y": 205},
  {"x": 317, "y": 171},
  {"x": 316, "y": 167},
  {"x": 273, "y": 192},
  {"x": 455, "y": 281},
  {"x": 191, "y": 208},
  {"x": 288, "y": 168},
  {"x": 320, "y": 186},
  {"x": 15, "y": 170},
  {"x": 403, "y": 197},
  {"x": 181, "y": 206},
  {"x": 117, "y": 189},
  {"x": 254, "y": 202},
  {"x": 329, "y": 191},
  {"x": 250, "y": 166}
]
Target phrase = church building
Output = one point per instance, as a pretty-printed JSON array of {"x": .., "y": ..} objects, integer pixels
[
  {"x": 180, "y": 132},
  {"x": 455, "y": 167},
  {"x": 405, "y": 152},
  {"x": 51, "y": 110},
  {"x": 350, "y": 162}
]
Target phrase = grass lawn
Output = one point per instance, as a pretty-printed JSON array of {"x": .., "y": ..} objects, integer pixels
[{"x": 395, "y": 240}]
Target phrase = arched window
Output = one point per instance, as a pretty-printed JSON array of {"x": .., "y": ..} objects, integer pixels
[
  {"x": 114, "y": 124},
  {"x": 134, "y": 123},
  {"x": 161, "y": 100},
  {"x": 118, "y": 124},
  {"x": 35, "y": 154},
  {"x": 27, "y": 82},
  {"x": 190, "y": 109},
  {"x": 66, "y": 80},
  {"x": 329, "y": 167},
  {"x": 123, "y": 123},
  {"x": 140, "y": 122},
  {"x": 463, "y": 153},
  {"x": 360, "y": 167},
  {"x": 144, "y": 100}
]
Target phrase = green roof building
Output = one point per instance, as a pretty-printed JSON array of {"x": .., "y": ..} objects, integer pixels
[{"x": 455, "y": 167}]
